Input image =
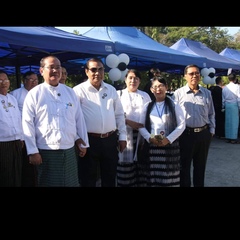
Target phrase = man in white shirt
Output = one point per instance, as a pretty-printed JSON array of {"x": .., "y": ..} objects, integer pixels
[
  {"x": 53, "y": 125},
  {"x": 105, "y": 121}
]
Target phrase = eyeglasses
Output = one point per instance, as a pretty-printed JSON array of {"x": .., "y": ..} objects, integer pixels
[
  {"x": 32, "y": 80},
  {"x": 3, "y": 81},
  {"x": 94, "y": 70},
  {"x": 52, "y": 67},
  {"x": 156, "y": 87},
  {"x": 193, "y": 73}
]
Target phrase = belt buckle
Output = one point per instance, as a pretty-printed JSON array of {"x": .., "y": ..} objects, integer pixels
[
  {"x": 102, "y": 135},
  {"x": 197, "y": 129}
]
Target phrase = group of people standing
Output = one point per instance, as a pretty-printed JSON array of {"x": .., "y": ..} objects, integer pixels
[
  {"x": 226, "y": 101},
  {"x": 72, "y": 133}
]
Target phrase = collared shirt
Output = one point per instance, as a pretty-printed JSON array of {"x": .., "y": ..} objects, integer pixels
[
  {"x": 52, "y": 118},
  {"x": 10, "y": 120},
  {"x": 102, "y": 108},
  {"x": 198, "y": 107}
]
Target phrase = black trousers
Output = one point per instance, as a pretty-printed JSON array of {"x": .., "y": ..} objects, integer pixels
[
  {"x": 194, "y": 151},
  {"x": 101, "y": 155}
]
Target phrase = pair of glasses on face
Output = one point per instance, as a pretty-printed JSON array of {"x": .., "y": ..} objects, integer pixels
[
  {"x": 4, "y": 81},
  {"x": 194, "y": 73},
  {"x": 94, "y": 70},
  {"x": 32, "y": 80},
  {"x": 158, "y": 87}
]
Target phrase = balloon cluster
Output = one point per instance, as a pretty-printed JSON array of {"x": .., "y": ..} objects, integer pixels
[
  {"x": 208, "y": 75},
  {"x": 118, "y": 65}
]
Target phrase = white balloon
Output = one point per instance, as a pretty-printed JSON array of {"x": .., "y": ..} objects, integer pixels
[
  {"x": 212, "y": 70},
  {"x": 112, "y": 60},
  {"x": 123, "y": 74},
  {"x": 207, "y": 80},
  {"x": 123, "y": 57},
  {"x": 205, "y": 72},
  {"x": 114, "y": 74}
]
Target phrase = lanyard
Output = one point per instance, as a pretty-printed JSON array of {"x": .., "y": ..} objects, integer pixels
[{"x": 160, "y": 115}]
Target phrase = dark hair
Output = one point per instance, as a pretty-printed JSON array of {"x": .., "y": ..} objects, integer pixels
[
  {"x": 190, "y": 66},
  {"x": 28, "y": 73},
  {"x": 218, "y": 80},
  {"x": 159, "y": 79},
  {"x": 135, "y": 71},
  {"x": 93, "y": 60},
  {"x": 232, "y": 77}
]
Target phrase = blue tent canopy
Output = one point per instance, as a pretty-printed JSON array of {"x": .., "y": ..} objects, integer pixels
[
  {"x": 231, "y": 54},
  {"x": 143, "y": 51},
  {"x": 25, "y": 46},
  {"x": 214, "y": 60}
]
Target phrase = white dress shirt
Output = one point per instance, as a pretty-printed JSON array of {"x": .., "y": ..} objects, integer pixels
[
  {"x": 10, "y": 120},
  {"x": 102, "y": 108},
  {"x": 52, "y": 118}
]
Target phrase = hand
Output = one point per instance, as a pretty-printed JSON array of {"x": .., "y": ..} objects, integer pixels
[
  {"x": 35, "y": 159},
  {"x": 79, "y": 142},
  {"x": 122, "y": 145},
  {"x": 82, "y": 151}
]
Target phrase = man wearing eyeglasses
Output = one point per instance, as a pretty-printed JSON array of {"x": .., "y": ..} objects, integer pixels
[
  {"x": 54, "y": 127},
  {"x": 30, "y": 80},
  {"x": 104, "y": 117},
  {"x": 195, "y": 141}
]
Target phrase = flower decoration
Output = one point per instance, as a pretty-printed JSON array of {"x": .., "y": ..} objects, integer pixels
[
  {"x": 208, "y": 75},
  {"x": 118, "y": 65}
]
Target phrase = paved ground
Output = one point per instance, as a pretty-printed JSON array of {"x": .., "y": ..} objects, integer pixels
[{"x": 223, "y": 165}]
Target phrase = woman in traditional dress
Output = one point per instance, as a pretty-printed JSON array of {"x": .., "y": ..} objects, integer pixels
[
  {"x": 159, "y": 155},
  {"x": 132, "y": 100}
]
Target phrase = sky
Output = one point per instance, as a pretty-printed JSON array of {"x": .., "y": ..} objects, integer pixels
[{"x": 231, "y": 30}]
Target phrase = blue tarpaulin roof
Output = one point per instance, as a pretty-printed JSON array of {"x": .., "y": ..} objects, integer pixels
[
  {"x": 231, "y": 53},
  {"x": 214, "y": 59},
  {"x": 22, "y": 46},
  {"x": 144, "y": 52}
]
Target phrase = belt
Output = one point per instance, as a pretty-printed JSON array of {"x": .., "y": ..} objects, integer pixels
[
  {"x": 198, "y": 129},
  {"x": 101, "y": 135}
]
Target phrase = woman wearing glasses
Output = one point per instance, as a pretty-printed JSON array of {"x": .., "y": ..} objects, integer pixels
[
  {"x": 159, "y": 155},
  {"x": 11, "y": 137}
]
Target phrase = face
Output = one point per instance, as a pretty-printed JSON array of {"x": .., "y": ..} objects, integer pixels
[
  {"x": 4, "y": 83},
  {"x": 95, "y": 73},
  {"x": 192, "y": 76},
  {"x": 51, "y": 71},
  {"x": 158, "y": 89},
  {"x": 132, "y": 82},
  {"x": 30, "y": 81},
  {"x": 64, "y": 75}
]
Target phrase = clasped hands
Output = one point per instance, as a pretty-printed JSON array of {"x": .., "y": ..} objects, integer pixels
[{"x": 159, "y": 140}]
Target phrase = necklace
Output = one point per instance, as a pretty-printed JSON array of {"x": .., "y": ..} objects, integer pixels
[{"x": 160, "y": 115}]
